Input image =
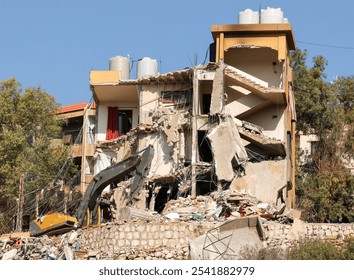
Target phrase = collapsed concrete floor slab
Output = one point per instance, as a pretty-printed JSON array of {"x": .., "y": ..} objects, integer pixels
[{"x": 228, "y": 240}]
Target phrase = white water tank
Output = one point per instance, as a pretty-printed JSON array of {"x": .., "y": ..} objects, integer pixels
[
  {"x": 272, "y": 15},
  {"x": 121, "y": 64},
  {"x": 146, "y": 67},
  {"x": 248, "y": 17}
]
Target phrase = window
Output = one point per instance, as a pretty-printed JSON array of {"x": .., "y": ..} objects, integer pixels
[
  {"x": 314, "y": 147},
  {"x": 119, "y": 122},
  {"x": 125, "y": 118},
  {"x": 177, "y": 98}
]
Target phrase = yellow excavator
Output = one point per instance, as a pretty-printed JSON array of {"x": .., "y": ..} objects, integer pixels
[{"x": 89, "y": 212}]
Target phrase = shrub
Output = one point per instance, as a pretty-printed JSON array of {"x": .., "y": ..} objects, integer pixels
[{"x": 316, "y": 250}]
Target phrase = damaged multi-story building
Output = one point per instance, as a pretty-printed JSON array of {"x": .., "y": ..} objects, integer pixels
[
  {"x": 78, "y": 133},
  {"x": 227, "y": 125}
]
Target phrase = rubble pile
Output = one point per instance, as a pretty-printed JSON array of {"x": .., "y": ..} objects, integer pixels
[
  {"x": 228, "y": 204},
  {"x": 152, "y": 254},
  {"x": 39, "y": 248}
]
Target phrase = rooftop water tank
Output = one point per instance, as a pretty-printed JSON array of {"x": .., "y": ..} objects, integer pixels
[
  {"x": 146, "y": 67},
  {"x": 272, "y": 15},
  {"x": 248, "y": 17},
  {"x": 121, "y": 64}
]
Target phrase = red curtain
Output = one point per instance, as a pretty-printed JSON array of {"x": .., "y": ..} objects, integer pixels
[{"x": 112, "y": 124}]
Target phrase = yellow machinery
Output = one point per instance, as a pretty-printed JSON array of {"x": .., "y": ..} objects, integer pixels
[
  {"x": 53, "y": 223},
  {"x": 89, "y": 212}
]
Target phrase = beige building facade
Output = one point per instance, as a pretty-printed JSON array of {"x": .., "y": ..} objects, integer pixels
[{"x": 227, "y": 125}]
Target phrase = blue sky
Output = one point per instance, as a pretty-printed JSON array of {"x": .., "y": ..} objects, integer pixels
[{"x": 55, "y": 43}]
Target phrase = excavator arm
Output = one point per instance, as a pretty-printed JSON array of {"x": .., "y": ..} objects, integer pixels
[
  {"x": 56, "y": 223},
  {"x": 114, "y": 173}
]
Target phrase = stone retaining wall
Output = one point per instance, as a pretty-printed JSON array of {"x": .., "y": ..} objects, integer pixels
[
  {"x": 285, "y": 235},
  {"x": 142, "y": 240},
  {"x": 170, "y": 240}
]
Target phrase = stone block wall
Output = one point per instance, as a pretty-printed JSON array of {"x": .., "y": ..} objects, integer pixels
[
  {"x": 286, "y": 235},
  {"x": 159, "y": 240},
  {"x": 142, "y": 240}
]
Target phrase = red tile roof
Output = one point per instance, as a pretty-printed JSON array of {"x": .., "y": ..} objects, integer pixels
[{"x": 74, "y": 107}]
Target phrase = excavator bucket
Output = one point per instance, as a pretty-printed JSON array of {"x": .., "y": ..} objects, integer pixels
[{"x": 52, "y": 224}]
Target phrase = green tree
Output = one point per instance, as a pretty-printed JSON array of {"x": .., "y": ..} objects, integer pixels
[
  {"x": 324, "y": 184},
  {"x": 28, "y": 124}
]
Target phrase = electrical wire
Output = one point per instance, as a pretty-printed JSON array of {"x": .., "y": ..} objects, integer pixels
[
  {"x": 324, "y": 45},
  {"x": 31, "y": 204}
]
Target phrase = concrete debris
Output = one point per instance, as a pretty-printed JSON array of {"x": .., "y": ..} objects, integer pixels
[
  {"x": 10, "y": 255},
  {"x": 267, "y": 146},
  {"x": 129, "y": 213},
  {"x": 223, "y": 242},
  {"x": 173, "y": 216},
  {"x": 227, "y": 147},
  {"x": 221, "y": 207},
  {"x": 69, "y": 255},
  {"x": 187, "y": 208},
  {"x": 39, "y": 248}
]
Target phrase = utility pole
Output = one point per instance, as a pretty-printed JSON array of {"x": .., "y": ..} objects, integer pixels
[
  {"x": 20, "y": 203},
  {"x": 65, "y": 205},
  {"x": 37, "y": 205}
]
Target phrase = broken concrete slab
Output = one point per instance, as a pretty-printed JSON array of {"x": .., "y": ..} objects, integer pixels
[
  {"x": 10, "y": 255},
  {"x": 226, "y": 146},
  {"x": 130, "y": 213},
  {"x": 68, "y": 252},
  {"x": 72, "y": 237},
  {"x": 269, "y": 146},
  {"x": 228, "y": 240}
]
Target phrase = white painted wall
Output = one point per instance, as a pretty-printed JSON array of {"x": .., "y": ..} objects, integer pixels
[
  {"x": 103, "y": 116},
  {"x": 273, "y": 126},
  {"x": 149, "y": 99},
  {"x": 305, "y": 144},
  {"x": 257, "y": 62}
]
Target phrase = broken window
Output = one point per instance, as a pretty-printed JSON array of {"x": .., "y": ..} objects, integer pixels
[
  {"x": 71, "y": 133},
  {"x": 125, "y": 118},
  {"x": 177, "y": 98},
  {"x": 205, "y": 153}
]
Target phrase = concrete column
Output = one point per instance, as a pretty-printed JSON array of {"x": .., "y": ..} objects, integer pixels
[
  {"x": 221, "y": 48},
  {"x": 195, "y": 132}
]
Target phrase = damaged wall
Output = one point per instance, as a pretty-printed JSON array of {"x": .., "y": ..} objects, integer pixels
[
  {"x": 164, "y": 160},
  {"x": 260, "y": 62},
  {"x": 263, "y": 179},
  {"x": 154, "y": 240},
  {"x": 272, "y": 120},
  {"x": 149, "y": 100}
]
